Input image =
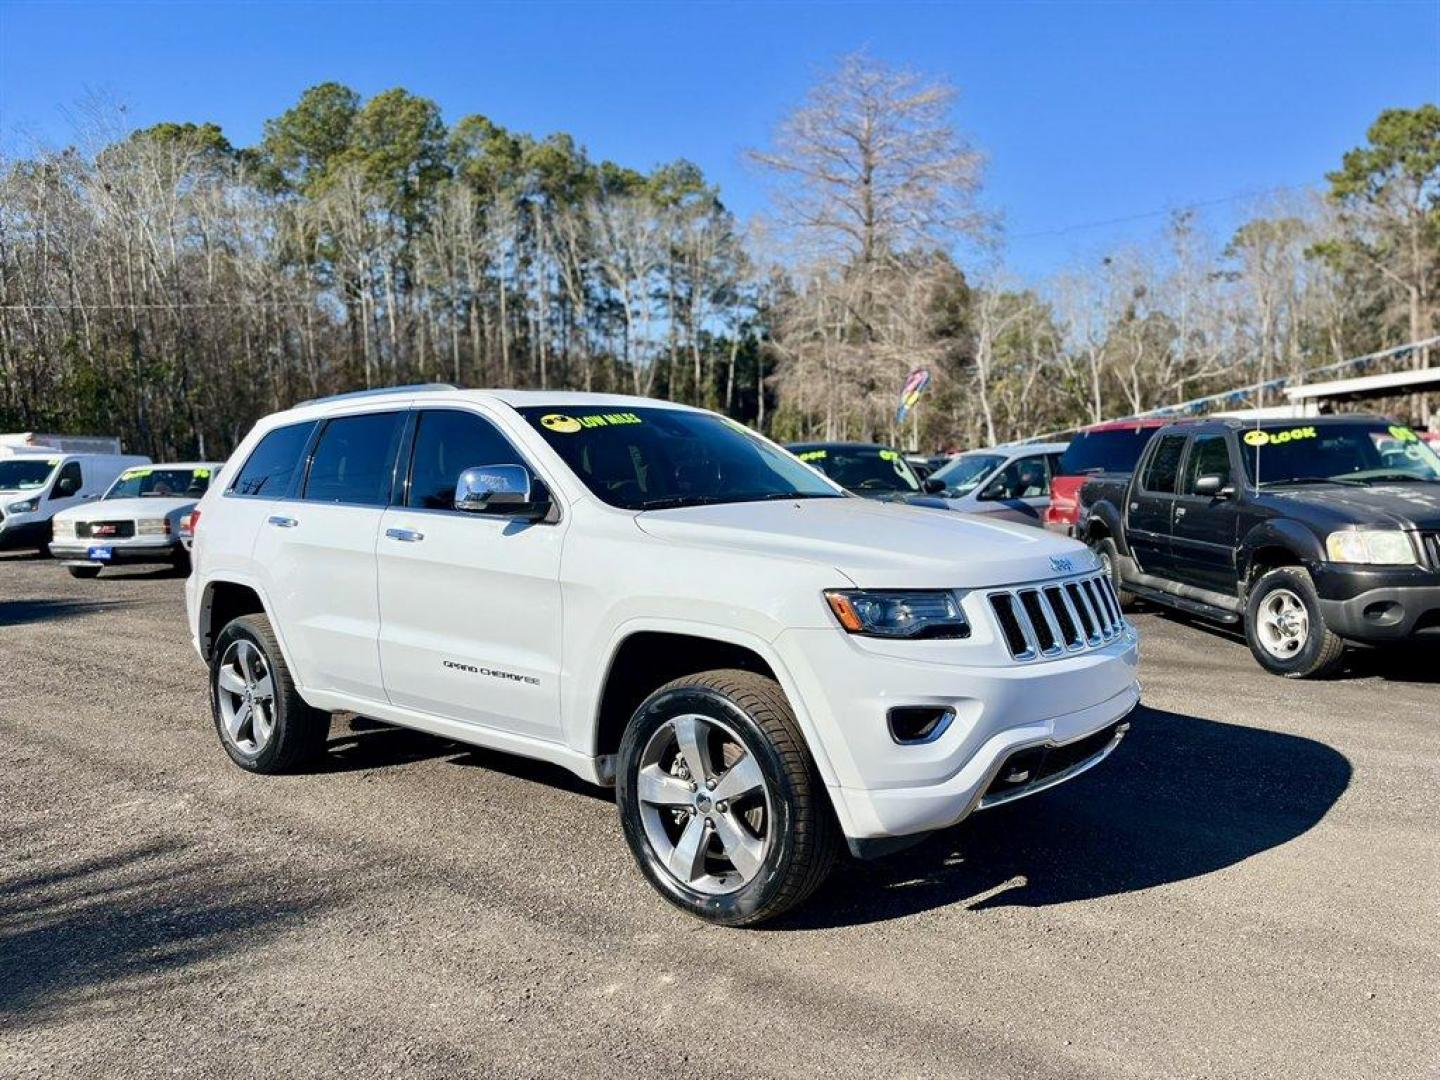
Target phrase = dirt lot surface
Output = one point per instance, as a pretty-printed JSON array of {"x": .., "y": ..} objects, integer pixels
[{"x": 1250, "y": 886}]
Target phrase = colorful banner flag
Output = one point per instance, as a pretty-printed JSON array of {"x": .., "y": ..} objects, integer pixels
[{"x": 916, "y": 384}]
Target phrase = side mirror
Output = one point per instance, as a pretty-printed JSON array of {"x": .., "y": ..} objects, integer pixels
[
  {"x": 65, "y": 487},
  {"x": 932, "y": 486},
  {"x": 1213, "y": 487},
  {"x": 499, "y": 490}
]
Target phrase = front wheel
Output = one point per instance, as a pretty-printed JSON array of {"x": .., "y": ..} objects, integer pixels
[
  {"x": 1109, "y": 556},
  {"x": 263, "y": 722},
  {"x": 720, "y": 802},
  {"x": 1285, "y": 628}
]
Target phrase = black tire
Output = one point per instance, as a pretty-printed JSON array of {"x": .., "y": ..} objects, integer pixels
[
  {"x": 804, "y": 836},
  {"x": 1109, "y": 556},
  {"x": 299, "y": 732},
  {"x": 84, "y": 571},
  {"x": 1321, "y": 650}
]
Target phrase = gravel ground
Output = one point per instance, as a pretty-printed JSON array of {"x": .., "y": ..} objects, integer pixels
[{"x": 1250, "y": 886}]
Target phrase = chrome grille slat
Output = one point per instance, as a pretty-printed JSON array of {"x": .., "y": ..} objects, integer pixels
[{"x": 1050, "y": 619}]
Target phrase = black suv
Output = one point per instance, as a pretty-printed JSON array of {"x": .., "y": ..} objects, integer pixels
[{"x": 1312, "y": 532}]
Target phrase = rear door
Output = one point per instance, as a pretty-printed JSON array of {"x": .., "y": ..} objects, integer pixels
[
  {"x": 1151, "y": 504},
  {"x": 317, "y": 551},
  {"x": 469, "y": 602},
  {"x": 1204, "y": 530}
]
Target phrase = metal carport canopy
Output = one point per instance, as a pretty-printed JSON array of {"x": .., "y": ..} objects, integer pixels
[{"x": 1393, "y": 384}]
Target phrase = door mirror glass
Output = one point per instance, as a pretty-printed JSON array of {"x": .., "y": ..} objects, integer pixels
[
  {"x": 933, "y": 486},
  {"x": 496, "y": 489},
  {"x": 1211, "y": 486}
]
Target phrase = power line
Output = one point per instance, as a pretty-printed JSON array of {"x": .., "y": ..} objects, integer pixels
[{"x": 1066, "y": 229}]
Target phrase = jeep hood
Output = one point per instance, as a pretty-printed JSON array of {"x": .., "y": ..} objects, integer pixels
[{"x": 875, "y": 545}]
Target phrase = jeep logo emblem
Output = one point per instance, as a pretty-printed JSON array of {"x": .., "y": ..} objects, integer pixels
[{"x": 1061, "y": 566}]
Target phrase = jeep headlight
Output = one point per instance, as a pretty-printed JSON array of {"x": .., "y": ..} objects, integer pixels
[
  {"x": 1386, "y": 547},
  {"x": 932, "y": 613},
  {"x": 26, "y": 506},
  {"x": 152, "y": 527}
]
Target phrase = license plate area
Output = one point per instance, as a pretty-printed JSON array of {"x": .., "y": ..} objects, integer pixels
[{"x": 103, "y": 553}]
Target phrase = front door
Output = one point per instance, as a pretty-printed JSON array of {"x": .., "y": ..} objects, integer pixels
[
  {"x": 318, "y": 554},
  {"x": 1018, "y": 492},
  {"x": 1203, "y": 533},
  {"x": 469, "y": 602},
  {"x": 1151, "y": 503}
]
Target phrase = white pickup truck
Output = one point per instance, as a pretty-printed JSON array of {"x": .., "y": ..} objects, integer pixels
[{"x": 654, "y": 597}]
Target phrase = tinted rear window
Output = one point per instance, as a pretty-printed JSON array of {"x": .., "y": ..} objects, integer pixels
[
  {"x": 270, "y": 466},
  {"x": 1116, "y": 450},
  {"x": 354, "y": 458}
]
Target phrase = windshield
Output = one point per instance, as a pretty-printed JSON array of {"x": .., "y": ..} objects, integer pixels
[
  {"x": 964, "y": 474},
  {"x": 1375, "y": 453},
  {"x": 652, "y": 459},
  {"x": 26, "y": 474},
  {"x": 160, "y": 482},
  {"x": 1113, "y": 450},
  {"x": 865, "y": 469}
]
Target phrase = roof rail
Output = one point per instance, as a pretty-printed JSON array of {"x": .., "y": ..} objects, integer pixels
[{"x": 378, "y": 391}]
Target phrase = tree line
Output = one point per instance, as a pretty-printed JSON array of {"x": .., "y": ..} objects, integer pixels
[{"x": 170, "y": 287}]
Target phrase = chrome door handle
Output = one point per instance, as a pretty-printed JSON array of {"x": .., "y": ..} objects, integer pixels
[
  {"x": 409, "y": 536},
  {"x": 282, "y": 522},
  {"x": 1180, "y": 511}
]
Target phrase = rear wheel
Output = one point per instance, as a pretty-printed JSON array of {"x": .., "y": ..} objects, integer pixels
[
  {"x": 263, "y": 723},
  {"x": 720, "y": 802},
  {"x": 84, "y": 571},
  {"x": 1109, "y": 556},
  {"x": 1285, "y": 628}
]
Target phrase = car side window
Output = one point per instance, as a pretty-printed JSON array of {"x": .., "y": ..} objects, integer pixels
[
  {"x": 447, "y": 442},
  {"x": 1023, "y": 478},
  {"x": 268, "y": 470},
  {"x": 1164, "y": 467},
  {"x": 68, "y": 483},
  {"x": 1208, "y": 457},
  {"x": 354, "y": 459}
]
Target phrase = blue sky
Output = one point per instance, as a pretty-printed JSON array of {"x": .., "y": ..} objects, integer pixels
[{"x": 1087, "y": 113}]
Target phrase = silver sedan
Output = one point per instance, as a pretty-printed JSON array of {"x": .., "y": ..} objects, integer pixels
[{"x": 1009, "y": 482}]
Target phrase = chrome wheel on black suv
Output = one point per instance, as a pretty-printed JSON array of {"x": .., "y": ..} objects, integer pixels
[
  {"x": 1285, "y": 628},
  {"x": 263, "y": 723},
  {"x": 719, "y": 799}
]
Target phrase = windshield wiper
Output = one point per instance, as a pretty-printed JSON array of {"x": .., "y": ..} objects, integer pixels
[
  {"x": 1398, "y": 477},
  {"x": 1310, "y": 480},
  {"x": 673, "y": 501},
  {"x": 776, "y": 496}
]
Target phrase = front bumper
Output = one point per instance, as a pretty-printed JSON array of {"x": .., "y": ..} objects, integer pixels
[
  {"x": 883, "y": 789},
  {"x": 1375, "y": 604},
  {"x": 123, "y": 553},
  {"x": 23, "y": 534}
]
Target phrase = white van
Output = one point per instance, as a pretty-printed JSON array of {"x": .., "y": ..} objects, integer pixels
[{"x": 36, "y": 485}]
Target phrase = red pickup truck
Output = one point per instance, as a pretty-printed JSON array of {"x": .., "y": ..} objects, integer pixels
[{"x": 1111, "y": 447}]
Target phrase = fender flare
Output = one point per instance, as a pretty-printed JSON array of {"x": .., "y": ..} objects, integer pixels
[
  {"x": 590, "y": 706},
  {"x": 1109, "y": 515},
  {"x": 1290, "y": 536}
]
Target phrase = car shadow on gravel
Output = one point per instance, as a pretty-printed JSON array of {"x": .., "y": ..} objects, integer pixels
[
  {"x": 88, "y": 934},
  {"x": 1180, "y": 797},
  {"x": 27, "y": 612}
]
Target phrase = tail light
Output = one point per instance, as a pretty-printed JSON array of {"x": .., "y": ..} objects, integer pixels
[{"x": 188, "y": 523}]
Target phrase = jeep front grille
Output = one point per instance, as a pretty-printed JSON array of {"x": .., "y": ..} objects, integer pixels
[{"x": 1058, "y": 618}]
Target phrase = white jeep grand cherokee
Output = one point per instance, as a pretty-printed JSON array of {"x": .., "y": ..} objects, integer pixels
[{"x": 657, "y": 598}]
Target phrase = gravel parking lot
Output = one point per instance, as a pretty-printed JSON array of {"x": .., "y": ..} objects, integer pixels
[{"x": 1250, "y": 886}]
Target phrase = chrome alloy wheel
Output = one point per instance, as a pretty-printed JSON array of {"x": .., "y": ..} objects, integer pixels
[
  {"x": 245, "y": 691},
  {"x": 1282, "y": 624},
  {"x": 705, "y": 804}
]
